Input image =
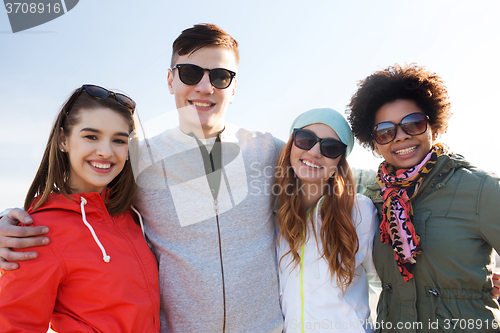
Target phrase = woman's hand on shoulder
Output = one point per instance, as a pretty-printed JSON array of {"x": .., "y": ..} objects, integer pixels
[{"x": 18, "y": 237}]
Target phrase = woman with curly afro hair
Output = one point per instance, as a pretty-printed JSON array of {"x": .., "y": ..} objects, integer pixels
[{"x": 440, "y": 215}]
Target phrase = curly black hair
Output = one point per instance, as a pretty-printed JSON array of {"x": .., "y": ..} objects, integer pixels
[{"x": 410, "y": 82}]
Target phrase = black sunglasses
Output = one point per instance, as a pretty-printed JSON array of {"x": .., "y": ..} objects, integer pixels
[
  {"x": 100, "y": 92},
  {"x": 305, "y": 140},
  {"x": 412, "y": 124},
  {"x": 191, "y": 74}
]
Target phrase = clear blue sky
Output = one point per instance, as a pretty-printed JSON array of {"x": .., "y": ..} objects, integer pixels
[{"x": 294, "y": 56}]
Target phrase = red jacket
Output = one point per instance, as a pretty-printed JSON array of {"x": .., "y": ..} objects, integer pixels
[{"x": 71, "y": 286}]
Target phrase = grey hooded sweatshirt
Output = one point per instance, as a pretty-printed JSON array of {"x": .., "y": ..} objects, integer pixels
[{"x": 217, "y": 258}]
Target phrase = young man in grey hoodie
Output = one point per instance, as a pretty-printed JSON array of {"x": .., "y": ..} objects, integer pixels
[{"x": 205, "y": 194}]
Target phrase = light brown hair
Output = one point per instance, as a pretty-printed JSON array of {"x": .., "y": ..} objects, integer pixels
[
  {"x": 53, "y": 172},
  {"x": 202, "y": 35},
  {"x": 338, "y": 234}
]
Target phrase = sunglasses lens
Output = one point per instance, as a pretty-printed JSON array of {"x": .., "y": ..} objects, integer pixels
[
  {"x": 332, "y": 148},
  {"x": 384, "y": 132},
  {"x": 414, "y": 124},
  {"x": 190, "y": 74},
  {"x": 125, "y": 100},
  {"x": 96, "y": 91},
  {"x": 220, "y": 78},
  {"x": 304, "y": 140}
]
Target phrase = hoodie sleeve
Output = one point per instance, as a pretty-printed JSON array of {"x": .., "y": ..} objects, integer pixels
[{"x": 28, "y": 294}]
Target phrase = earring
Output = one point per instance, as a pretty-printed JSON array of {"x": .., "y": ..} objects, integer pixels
[
  {"x": 63, "y": 150},
  {"x": 126, "y": 158}
]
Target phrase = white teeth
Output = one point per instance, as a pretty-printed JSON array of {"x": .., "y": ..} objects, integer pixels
[
  {"x": 405, "y": 151},
  {"x": 311, "y": 164},
  {"x": 101, "y": 165},
  {"x": 201, "y": 104}
]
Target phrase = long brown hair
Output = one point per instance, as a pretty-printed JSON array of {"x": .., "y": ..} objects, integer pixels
[
  {"x": 53, "y": 172},
  {"x": 338, "y": 234}
]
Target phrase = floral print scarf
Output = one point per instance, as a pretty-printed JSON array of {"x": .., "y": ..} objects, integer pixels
[{"x": 398, "y": 188}]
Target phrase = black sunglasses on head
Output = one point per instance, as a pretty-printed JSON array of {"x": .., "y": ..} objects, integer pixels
[
  {"x": 190, "y": 74},
  {"x": 412, "y": 124},
  {"x": 100, "y": 92},
  {"x": 305, "y": 140}
]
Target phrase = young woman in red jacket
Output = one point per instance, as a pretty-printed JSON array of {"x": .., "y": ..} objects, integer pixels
[{"x": 98, "y": 273}]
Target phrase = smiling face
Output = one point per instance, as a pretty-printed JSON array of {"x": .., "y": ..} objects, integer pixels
[
  {"x": 202, "y": 107},
  {"x": 405, "y": 151},
  {"x": 97, "y": 149},
  {"x": 310, "y": 166}
]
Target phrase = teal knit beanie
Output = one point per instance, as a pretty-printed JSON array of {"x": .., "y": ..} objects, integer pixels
[{"x": 331, "y": 118}]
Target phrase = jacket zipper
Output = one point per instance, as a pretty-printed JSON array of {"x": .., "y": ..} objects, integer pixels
[
  {"x": 302, "y": 309},
  {"x": 302, "y": 264},
  {"x": 221, "y": 265},
  {"x": 140, "y": 262},
  {"x": 420, "y": 191}
]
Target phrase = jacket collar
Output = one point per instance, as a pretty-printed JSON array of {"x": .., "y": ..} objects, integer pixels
[{"x": 445, "y": 167}]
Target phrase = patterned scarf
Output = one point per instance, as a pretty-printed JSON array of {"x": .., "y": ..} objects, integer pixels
[{"x": 398, "y": 188}]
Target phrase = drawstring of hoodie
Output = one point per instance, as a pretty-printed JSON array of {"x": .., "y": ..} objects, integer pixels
[
  {"x": 140, "y": 220},
  {"x": 84, "y": 218}
]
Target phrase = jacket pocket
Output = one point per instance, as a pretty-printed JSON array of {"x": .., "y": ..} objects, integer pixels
[{"x": 460, "y": 311}]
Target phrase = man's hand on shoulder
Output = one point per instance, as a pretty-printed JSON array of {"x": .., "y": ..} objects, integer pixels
[{"x": 18, "y": 237}]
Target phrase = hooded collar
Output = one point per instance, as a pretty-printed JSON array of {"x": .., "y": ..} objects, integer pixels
[{"x": 84, "y": 204}]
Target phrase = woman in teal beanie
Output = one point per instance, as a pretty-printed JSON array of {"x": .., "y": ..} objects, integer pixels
[{"x": 325, "y": 229}]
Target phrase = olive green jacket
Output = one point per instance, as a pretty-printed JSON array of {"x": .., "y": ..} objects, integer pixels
[{"x": 457, "y": 216}]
